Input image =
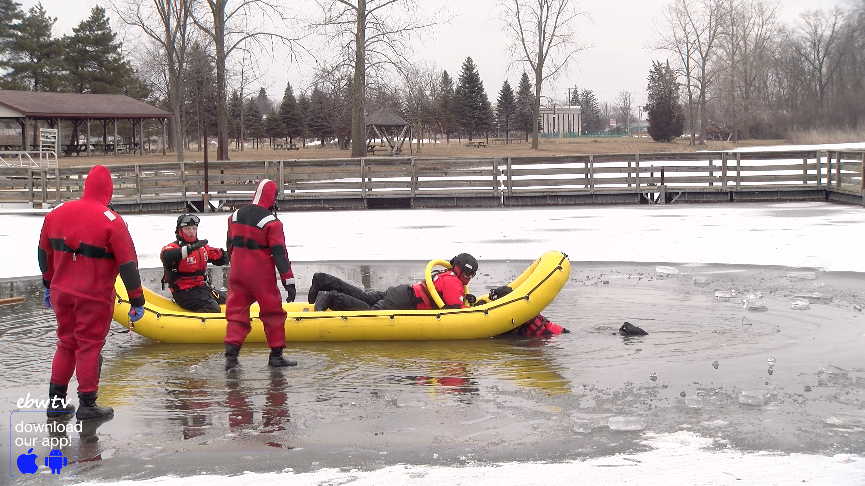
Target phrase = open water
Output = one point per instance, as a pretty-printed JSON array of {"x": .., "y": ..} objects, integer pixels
[{"x": 767, "y": 378}]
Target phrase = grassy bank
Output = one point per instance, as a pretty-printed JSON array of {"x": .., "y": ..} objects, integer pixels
[{"x": 456, "y": 148}]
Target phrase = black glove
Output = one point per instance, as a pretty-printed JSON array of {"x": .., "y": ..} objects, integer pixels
[
  {"x": 198, "y": 244},
  {"x": 470, "y": 299},
  {"x": 291, "y": 289},
  {"x": 500, "y": 292}
]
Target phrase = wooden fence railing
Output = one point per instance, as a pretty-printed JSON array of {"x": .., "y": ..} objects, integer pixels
[{"x": 470, "y": 182}]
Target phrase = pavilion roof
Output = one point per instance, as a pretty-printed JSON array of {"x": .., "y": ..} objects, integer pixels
[{"x": 44, "y": 105}]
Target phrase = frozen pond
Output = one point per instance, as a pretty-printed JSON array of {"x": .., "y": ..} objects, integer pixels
[{"x": 769, "y": 378}]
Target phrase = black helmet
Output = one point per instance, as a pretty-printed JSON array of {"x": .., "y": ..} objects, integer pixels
[
  {"x": 466, "y": 263},
  {"x": 186, "y": 220}
]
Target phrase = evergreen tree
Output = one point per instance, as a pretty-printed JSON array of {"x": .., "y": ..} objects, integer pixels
[
  {"x": 235, "y": 116},
  {"x": 525, "y": 106},
  {"x": 290, "y": 115},
  {"x": 590, "y": 112},
  {"x": 474, "y": 112},
  {"x": 445, "y": 107},
  {"x": 506, "y": 109},
  {"x": 305, "y": 108},
  {"x": 254, "y": 122},
  {"x": 665, "y": 113},
  {"x": 262, "y": 102},
  {"x": 93, "y": 58},
  {"x": 273, "y": 126},
  {"x": 34, "y": 56},
  {"x": 319, "y": 124},
  {"x": 10, "y": 24}
]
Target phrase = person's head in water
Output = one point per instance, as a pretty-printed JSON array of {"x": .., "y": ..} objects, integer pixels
[
  {"x": 187, "y": 228},
  {"x": 465, "y": 267}
]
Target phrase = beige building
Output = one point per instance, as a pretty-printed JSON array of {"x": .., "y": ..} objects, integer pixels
[{"x": 558, "y": 121}]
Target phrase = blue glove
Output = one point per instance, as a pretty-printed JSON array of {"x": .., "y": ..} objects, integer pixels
[
  {"x": 46, "y": 299},
  {"x": 136, "y": 313}
]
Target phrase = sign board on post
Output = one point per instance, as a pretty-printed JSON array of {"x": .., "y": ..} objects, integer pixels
[{"x": 612, "y": 122}]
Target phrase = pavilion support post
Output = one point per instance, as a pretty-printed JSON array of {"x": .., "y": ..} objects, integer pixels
[
  {"x": 87, "y": 142},
  {"x": 104, "y": 135},
  {"x": 141, "y": 136},
  {"x": 132, "y": 142},
  {"x": 116, "y": 141},
  {"x": 59, "y": 137},
  {"x": 164, "y": 149},
  {"x": 25, "y": 125}
]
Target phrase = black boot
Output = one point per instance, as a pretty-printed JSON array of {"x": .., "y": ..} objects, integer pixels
[
  {"x": 322, "y": 301},
  {"x": 231, "y": 352},
  {"x": 277, "y": 360},
  {"x": 57, "y": 406},
  {"x": 87, "y": 408},
  {"x": 317, "y": 281},
  {"x": 325, "y": 282}
]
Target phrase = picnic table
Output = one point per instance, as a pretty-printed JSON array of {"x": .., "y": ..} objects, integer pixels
[
  {"x": 476, "y": 143},
  {"x": 74, "y": 148}
]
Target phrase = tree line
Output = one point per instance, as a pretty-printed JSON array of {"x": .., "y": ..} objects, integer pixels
[
  {"x": 738, "y": 70},
  {"x": 746, "y": 74}
]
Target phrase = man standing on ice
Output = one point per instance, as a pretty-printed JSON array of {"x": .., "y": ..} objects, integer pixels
[
  {"x": 82, "y": 248},
  {"x": 256, "y": 243}
]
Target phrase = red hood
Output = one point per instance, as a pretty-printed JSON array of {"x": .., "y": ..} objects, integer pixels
[
  {"x": 98, "y": 186},
  {"x": 265, "y": 194}
]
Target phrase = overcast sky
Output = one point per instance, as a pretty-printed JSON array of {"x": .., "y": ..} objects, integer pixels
[{"x": 617, "y": 60}]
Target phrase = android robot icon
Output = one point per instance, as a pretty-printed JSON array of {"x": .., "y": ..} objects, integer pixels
[{"x": 56, "y": 461}]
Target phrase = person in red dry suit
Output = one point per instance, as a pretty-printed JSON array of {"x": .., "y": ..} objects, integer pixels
[
  {"x": 185, "y": 262},
  {"x": 538, "y": 326},
  {"x": 329, "y": 292},
  {"x": 82, "y": 248},
  {"x": 256, "y": 242}
]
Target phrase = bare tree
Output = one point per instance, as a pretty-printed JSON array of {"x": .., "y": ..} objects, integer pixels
[
  {"x": 544, "y": 38},
  {"x": 167, "y": 23},
  {"x": 370, "y": 34},
  {"x": 690, "y": 31},
  {"x": 625, "y": 108},
  {"x": 420, "y": 86},
  {"x": 747, "y": 47},
  {"x": 821, "y": 37},
  {"x": 229, "y": 25}
]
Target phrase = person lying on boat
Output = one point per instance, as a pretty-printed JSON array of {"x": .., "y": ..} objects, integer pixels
[
  {"x": 329, "y": 292},
  {"x": 538, "y": 326},
  {"x": 185, "y": 262}
]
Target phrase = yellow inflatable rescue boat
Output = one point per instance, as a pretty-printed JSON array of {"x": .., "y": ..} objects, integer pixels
[{"x": 533, "y": 290}]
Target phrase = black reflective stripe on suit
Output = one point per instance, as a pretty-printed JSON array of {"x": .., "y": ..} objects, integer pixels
[
  {"x": 279, "y": 258},
  {"x": 89, "y": 251},
  {"x": 132, "y": 280},
  {"x": 238, "y": 241}
]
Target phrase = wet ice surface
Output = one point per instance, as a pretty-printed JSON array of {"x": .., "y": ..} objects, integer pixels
[{"x": 775, "y": 379}]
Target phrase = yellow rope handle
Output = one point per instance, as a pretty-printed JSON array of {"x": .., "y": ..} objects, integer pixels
[{"x": 429, "y": 281}]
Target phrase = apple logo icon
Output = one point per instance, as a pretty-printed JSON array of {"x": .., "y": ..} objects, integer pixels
[{"x": 27, "y": 463}]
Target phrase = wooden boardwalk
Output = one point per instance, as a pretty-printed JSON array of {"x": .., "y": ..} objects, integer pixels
[{"x": 416, "y": 182}]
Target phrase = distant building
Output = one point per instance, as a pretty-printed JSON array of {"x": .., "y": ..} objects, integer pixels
[{"x": 560, "y": 121}]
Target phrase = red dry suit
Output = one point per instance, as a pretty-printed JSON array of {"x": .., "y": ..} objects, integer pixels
[
  {"x": 256, "y": 243},
  {"x": 82, "y": 248},
  {"x": 449, "y": 287},
  {"x": 540, "y": 326},
  {"x": 183, "y": 273}
]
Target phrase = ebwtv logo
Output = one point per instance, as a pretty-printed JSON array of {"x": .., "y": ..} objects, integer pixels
[{"x": 36, "y": 441}]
